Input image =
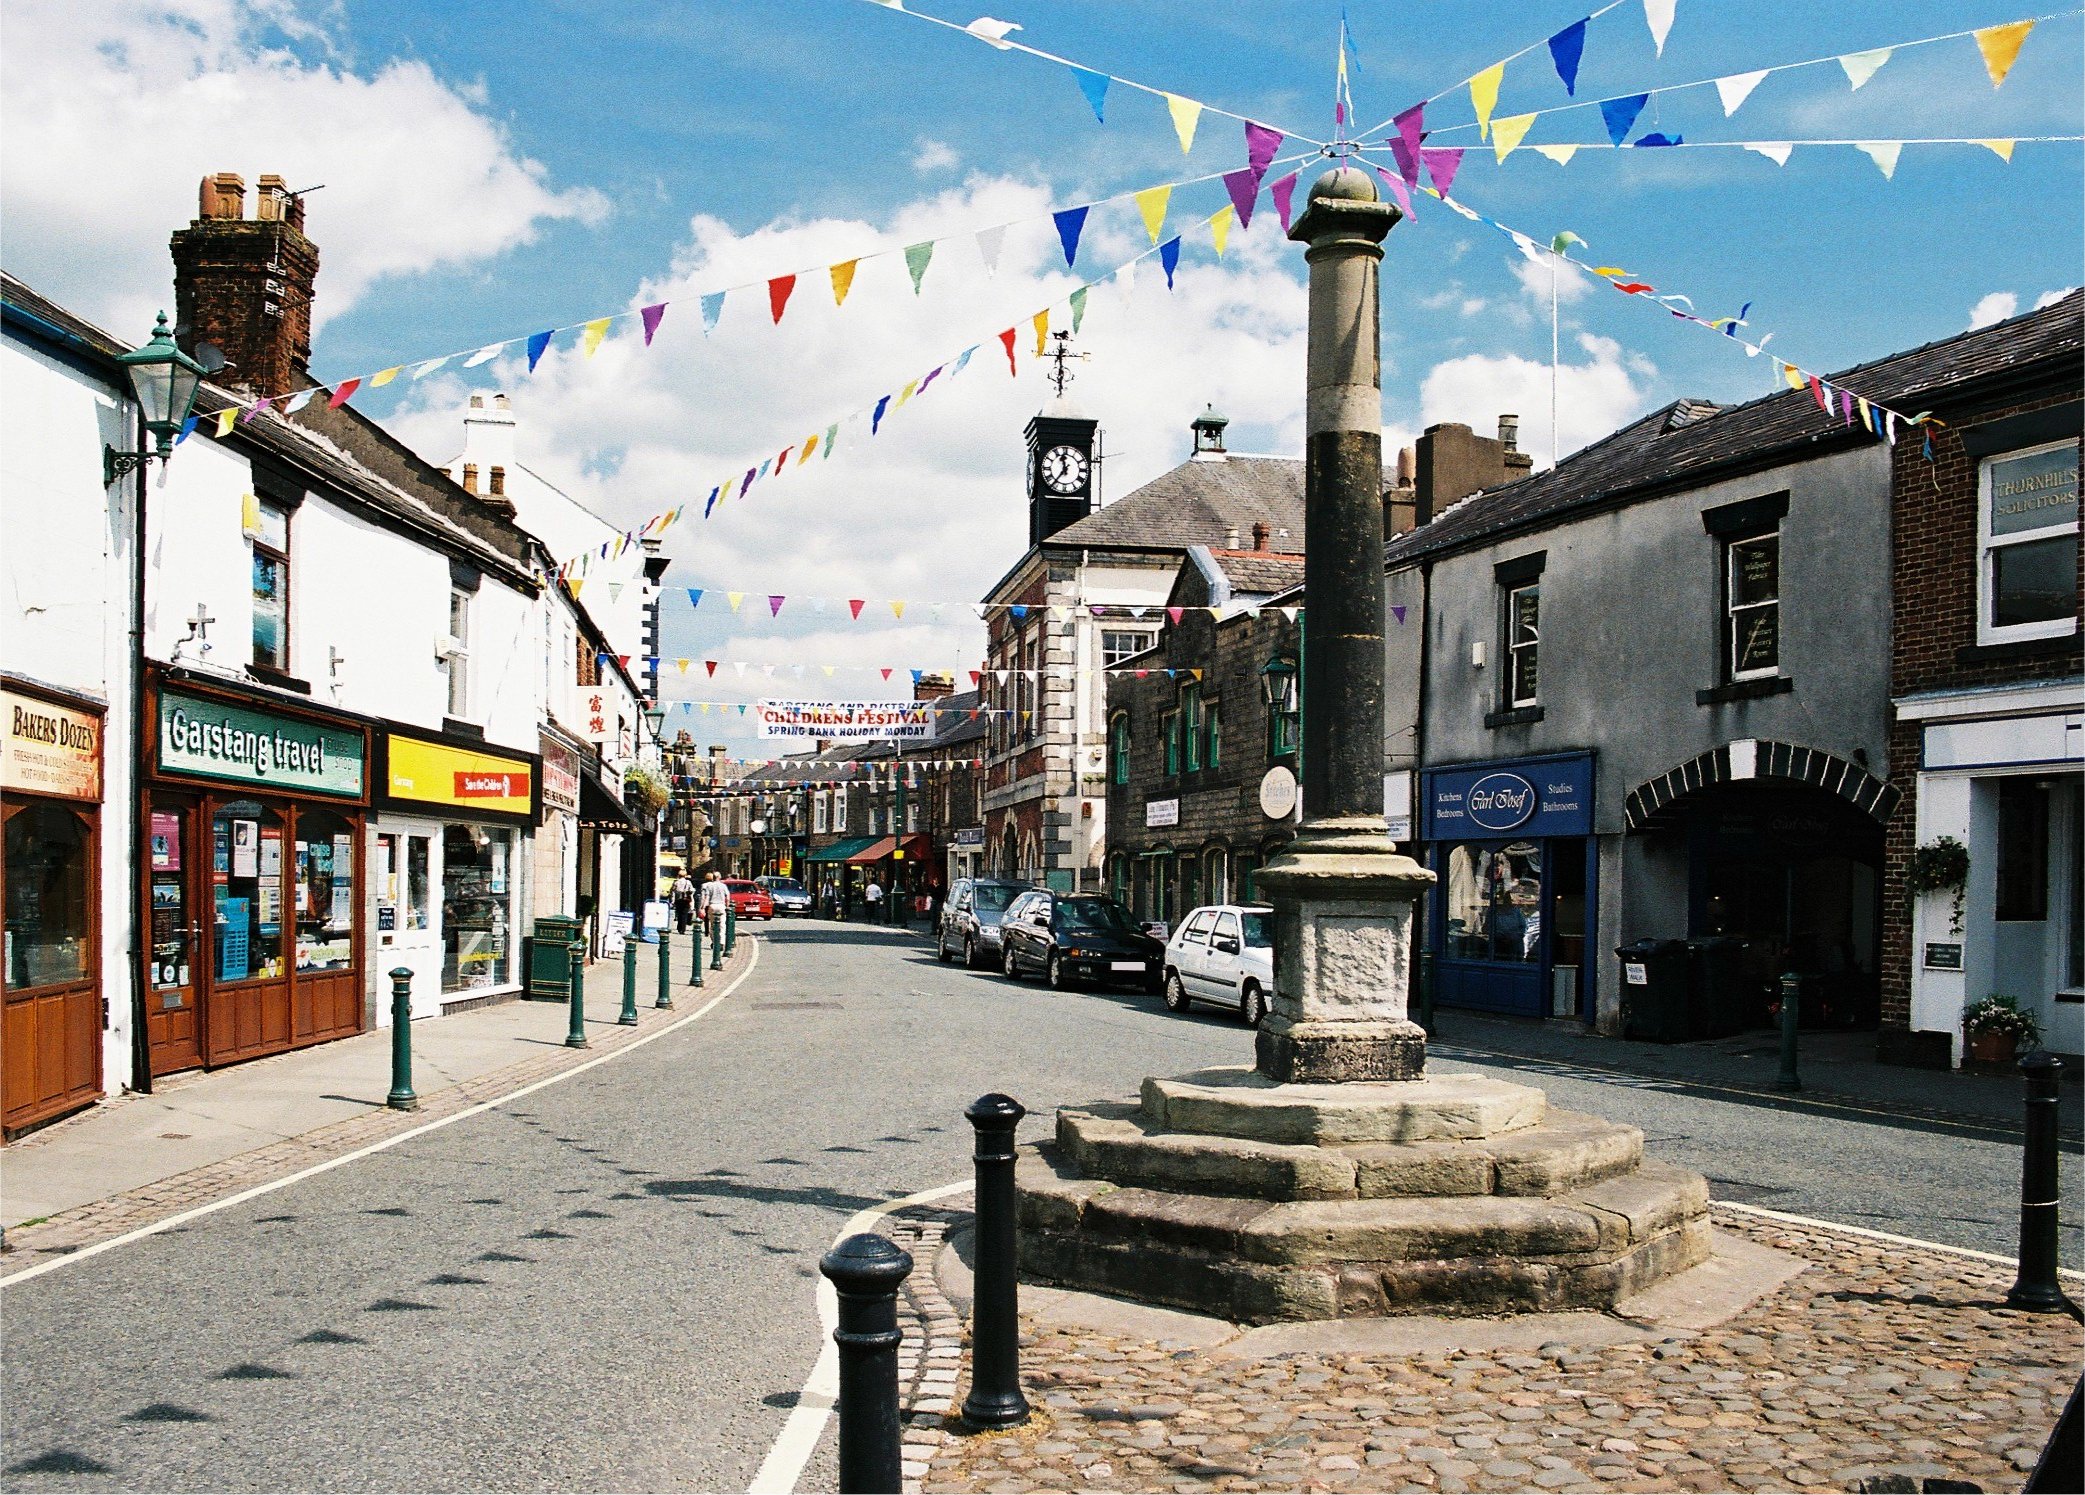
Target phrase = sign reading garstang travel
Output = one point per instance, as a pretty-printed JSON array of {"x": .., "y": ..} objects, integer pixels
[
  {"x": 215, "y": 740},
  {"x": 847, "y": 721}
]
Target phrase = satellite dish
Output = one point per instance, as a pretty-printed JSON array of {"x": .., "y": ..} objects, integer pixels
[{"x": 210, "y": 356}]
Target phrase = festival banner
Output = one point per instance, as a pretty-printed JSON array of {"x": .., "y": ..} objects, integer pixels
[{"x": 845, "y": 721}]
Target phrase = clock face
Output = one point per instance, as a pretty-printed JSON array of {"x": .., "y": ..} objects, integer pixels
[{"x": 1064, "y": 469}]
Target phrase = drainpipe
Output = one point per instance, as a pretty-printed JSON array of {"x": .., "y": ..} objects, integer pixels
[{"x": 140, "y": 1034}]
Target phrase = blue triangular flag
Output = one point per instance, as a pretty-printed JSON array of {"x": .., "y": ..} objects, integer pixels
[
  {"x": 1169, "y": 258},
  {"x": 537, "y": 342},
  {"x": 187, "y": 428},
  {"x": 1095, "y": 87},
  {"x": 1019, "y": 611},
  {"x": 877, "y": 419},
  {"x": 963, "y": 361},
  {"x": 1397, "y": 608},
  {"x": 712, "y": 308},
  {"x": 1656, "y": 138},
  {"x": 1620, "y": 114},
  {"x": 764, "y": 467},
  {"x": 695, "y": 593},
  {"x": 711, "y": 502},
  {"x": 1069, "y": 224},
  {"x": 1565, "y": 48},
  {"x": 916, "y": 676}
]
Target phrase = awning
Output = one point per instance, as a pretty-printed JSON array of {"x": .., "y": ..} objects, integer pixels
[
  {"x": 599, "y": 810},
  {"x": 841, "y": 851},
  {"x": 917, "y": 847}
]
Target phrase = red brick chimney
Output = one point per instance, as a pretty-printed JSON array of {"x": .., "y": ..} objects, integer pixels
[
  {"x": 1262, "y": 535},
  {"x": 933, "y": 687},
  {"x": 246, "y": 284}
]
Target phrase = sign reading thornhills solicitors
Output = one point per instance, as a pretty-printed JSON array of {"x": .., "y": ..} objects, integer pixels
[
  {"x": 211, "y": 739},
  {"x": 847, "y": 721}
]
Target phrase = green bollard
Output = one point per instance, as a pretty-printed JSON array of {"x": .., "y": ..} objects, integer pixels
[
  {"x": 695, "y": 965},
  {"x": 629, "y": 1013},
  {"x": 716, "y": 946},
  {"x": 401, "y": 1097},
  {"x": 731, "y": 931},
  {"x": 1791, "y": 1015},
  {"x": 665, "y": 972},
  {"x": 575, "y": 1034}
]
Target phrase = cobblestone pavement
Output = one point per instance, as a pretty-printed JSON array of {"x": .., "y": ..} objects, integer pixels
[
  {"x": 1875, "y": 1360},
  {"x": 74, "y": 1229}
]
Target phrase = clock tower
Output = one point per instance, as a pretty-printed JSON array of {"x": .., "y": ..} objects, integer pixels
[{"x": 1063, "y": 481}]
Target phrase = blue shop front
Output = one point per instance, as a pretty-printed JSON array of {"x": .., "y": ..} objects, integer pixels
[{"x": 1511, "y": 843}]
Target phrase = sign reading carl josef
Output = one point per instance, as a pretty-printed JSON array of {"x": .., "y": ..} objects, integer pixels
[{"x": 1521, "y": 798}]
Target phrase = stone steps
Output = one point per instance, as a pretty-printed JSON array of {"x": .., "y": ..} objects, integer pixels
[{"x": 1240, "y": 1102}]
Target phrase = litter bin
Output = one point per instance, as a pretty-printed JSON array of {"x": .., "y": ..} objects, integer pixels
[
  {"x": 1716, "y": 989},
  {"x": 1654, "y": 992},
  {"x": 549, "y": 956}
]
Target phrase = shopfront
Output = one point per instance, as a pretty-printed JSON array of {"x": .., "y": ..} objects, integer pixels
[
  {"x": 556, "y": 883},
  {"x": 450, "y": 843},
  {"x": 1511, "y": 844},
  {"x": 253, "y": 817},
  {"x": 50, "y": 809}
]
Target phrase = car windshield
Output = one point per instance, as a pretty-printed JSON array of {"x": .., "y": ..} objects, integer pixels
[
  {"x": 991, "y": 898},
  {"x": 1259, "y": 930},
  {"x": 1099, "y": 915},
  {"x": 784, "y": 885}
]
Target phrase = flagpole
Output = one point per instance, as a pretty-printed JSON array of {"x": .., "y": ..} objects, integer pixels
[{"x": 1553, "y": 357}]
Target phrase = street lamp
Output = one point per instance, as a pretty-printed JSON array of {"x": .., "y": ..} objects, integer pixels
[
  {"x": 164, "y": 380},
  {"x": 1280, "y": 686},
  {"x": 655, "y": 718}
]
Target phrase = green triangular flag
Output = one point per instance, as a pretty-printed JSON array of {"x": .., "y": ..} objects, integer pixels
[
  {"x": 916, "y": 258},
  {"x": 1078, "y": 307},
  {"x": 832, "y": 435}
]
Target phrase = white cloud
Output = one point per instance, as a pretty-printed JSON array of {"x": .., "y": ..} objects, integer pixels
[
  {"x": 1571, "y": 285},
  {"x": 2050, "y": 298},
  {"x": 113, "y": 110},
  {"x": 934, "y": 155},
  {"x": 1593, "y": 397},
  {"x": 1995, "y": 307}
]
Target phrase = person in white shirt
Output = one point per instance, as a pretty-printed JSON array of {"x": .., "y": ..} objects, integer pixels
[
  {"x": 873, "y": 896},
  {"x": 713, "y": 905}
]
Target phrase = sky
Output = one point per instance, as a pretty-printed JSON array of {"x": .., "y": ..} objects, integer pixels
[{"x": 485, "y": 173}]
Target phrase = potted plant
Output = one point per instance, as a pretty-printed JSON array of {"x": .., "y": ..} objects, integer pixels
[
  {"x": 1940, "y": 866},
  {"x": 1998, "y": 1027}
]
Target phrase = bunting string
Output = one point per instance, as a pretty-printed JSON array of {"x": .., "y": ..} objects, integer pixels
[
  {"x": 1883, "y": 152},
  {"x": 1559, "y": 50},
  {"x": 755, "y": 603},
  {"x": 741, "y": 669}
]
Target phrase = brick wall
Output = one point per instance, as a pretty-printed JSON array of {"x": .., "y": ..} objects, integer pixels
[{"x": 246, "y": 284}]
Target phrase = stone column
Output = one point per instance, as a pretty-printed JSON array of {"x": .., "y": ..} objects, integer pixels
[{"x": 1343, "y": 896}]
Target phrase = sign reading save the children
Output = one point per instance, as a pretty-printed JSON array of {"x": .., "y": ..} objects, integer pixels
[{"x": 215, "y": 740}]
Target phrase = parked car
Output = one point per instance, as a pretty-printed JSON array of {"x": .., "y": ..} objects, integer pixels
[
  {"x": 1077, "y": 937},
  {"x": 1224, "y": 953},
  {"x": 969, "y": 921},
  {"x": 790, "y": 896},
  {"x": 749, "y": 900}
]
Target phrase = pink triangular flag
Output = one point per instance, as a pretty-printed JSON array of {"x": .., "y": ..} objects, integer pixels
[
  {"x": 1244, "y": 186},
  {"x": 1284, "y": 192},
  {"x": 774, "y": 604},
  {"x": 1441, "y": 165},
  {"x": 1261, "y": 142}
]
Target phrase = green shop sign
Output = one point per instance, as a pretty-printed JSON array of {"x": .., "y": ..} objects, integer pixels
[{"x": 209, "y": 739}]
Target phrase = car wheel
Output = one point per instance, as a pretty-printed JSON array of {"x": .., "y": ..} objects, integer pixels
[
  {"x": 941, "y": 947},
  {"x": 1177, "y": 999},
  {"x": 1007, "y": 965},
  {"x": 1059, "y": 981},
  {"x": 969, "y": 953},
  {"x": 1252, "y": 1005}
]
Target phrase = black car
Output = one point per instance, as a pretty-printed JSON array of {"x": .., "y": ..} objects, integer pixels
[{"x": 1075, "y": 937}]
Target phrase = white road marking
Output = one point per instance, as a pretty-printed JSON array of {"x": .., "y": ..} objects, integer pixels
[
  {"x": 1880, "y": 1235},
  {"x": 157, "y": 1226},
  {"x": 798, "y": 1440}
]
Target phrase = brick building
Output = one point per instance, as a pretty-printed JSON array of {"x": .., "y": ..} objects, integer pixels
[{"x": 1987, "y": 731}]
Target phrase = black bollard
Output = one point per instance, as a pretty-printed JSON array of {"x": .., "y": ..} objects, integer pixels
[
  {"x": 401, "y": 1097},
  {"x": 628, "y": 1016},
  {"x": 665, "y": 972},
  {"x": 1426, "y": 992},
  {"x": 866, "y": 1271},
  {"x": 2036, "y": 1289},
  {"x": 995, "y": 1399},
  {"x": 575, "y": 1031},
  {"x": 1791, "y": 1014}
]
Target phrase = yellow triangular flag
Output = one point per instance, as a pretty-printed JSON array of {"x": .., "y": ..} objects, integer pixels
[
  {"x": 2002, "y": 149},
  {"x": 682, "y": 665},
  {"x": 897, "y": 607},
  {"x": 1508, "y": 132},
  {"x": 250, "y": 513},
  {"x": 590, "y": 339},
  {"x": 1220, "y": 227},
  {"x": 378, "y": 381},
  {"x": 225, "y": 419},
  {"x": 2001, "y": 47},
  {"x": 906, "y": 393},
  {"x": 1484, "y": 96},
  {"x": 1186, "y": 115},
  {"x": 1561, "y": 154},
  {"x": 828, "y": 670},
  {"x": 735, "y": 598},
  {"x": 843, "y": 278},
  {"x": 1794, "y": 376},
  {"x": 575, "y": 584},
  {"x": 1151, "y": 202},
  {"x": 1042, "y": 331},
  {"x": 810, "y": 446}
]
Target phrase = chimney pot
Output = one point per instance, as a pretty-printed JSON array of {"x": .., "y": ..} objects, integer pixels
[
  {"x": 274, "y": 201},
  {"x": 1230, "y": 538},
  {"x": 223, "y": 195},
  {"x": 1509, "y": 430},
  {"x": 247, "y": 285},
  {"x": 1407, "y": 466},
  {"x": 1262, "y": 535},
  {"x": 470, "y": 477},
  {"x": 499, "y": 481}
]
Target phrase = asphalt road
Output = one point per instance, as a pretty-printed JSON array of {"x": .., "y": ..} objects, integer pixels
[{"x": 610, "y": 1284}]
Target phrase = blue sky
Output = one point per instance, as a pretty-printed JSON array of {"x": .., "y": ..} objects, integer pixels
[{"x": 492, "y": 172}]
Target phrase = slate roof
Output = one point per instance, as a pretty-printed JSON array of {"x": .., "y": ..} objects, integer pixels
[
  {"x": 1260, "y": 572},
  {"x": 1692, "y": 441},
  {"x": 1197, "y": 503}
]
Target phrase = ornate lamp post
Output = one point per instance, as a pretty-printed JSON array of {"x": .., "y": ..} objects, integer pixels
[{"x": 164, "y": 381}]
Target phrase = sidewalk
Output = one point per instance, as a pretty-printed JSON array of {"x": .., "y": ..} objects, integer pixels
[{"x": 198, "y": 1137}]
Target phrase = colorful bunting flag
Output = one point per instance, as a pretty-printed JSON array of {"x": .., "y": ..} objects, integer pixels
[
  {"x": 1565, "y": 50},
  {"x": 2001, "y": 47},
  {"x": 988, "y": 242},
  {"x": 1041, "y": 323},
  {"x": 712, "y": 309},
  {"x": 843, "y": 280},
  {"x": 774, "y": 604},
  {"x": 1776, "y": 151},
  {"x": 916, "y": 258},
  {"x": 1095, "y": 87},
  {"x": 1070, "y": 223},
  {"x": 486, "y": 354},
  {"x": 1411, "y": 129},
  {"x": 1151, "y": 203},
  {"x": 537, "y": 342},
  {"x": 1220, "y": 229},
  {"x": 589, "y": 340},
  {"x": 876, "y": 417},
  {"x": 1658, "y": 14},
  {"x": 2002, "y": 149},
  {"x": 1078, "y": 311},
  {"x": 1883, "y": 153},
  {"x": 1507, "y": 132},
  {"x": 1620, "y": 114},
  {"x": 1284, "y": 195},
  {"x": 1169, "y": 258},
  {"x": 694, "y": 597},
  {"x": 1441, "y": 166},
  {"x": 651, "y": 316},
  {"x": 1736, "y": 88},
  {"x": 1484, "y": 97},
  {"x": 1261, "y": 142},
  {"x": 1561, "y": 154},
  {"x": 379, "y": 380},
  {"x": 1006, "y": 339},
  {"x": 1186, "y": 115},
  {"x": 1861, "y": 66},
  {"x": 1243, "y": 187},
  {"x": 341, "y": 395}
]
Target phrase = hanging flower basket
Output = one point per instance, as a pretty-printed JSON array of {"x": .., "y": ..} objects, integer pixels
[{"x": 1940, "y": 866}]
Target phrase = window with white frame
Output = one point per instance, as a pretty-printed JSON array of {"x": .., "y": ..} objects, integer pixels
[
  {"x": 456, "y": 654},
  {"x": 1523, "y": 643},
  {"x": 1752, "y": 601},
  {"x": 1118, "y": 644},
  {"x": 2027, "y": 531},
  {"x": 270, "y": 537},
  {"x": 840, "y": 810}
]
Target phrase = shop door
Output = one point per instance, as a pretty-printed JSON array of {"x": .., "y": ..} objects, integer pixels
[
  {"x": 247, "y": 1011},
  {"x": 406, "y": 932},
  {"x": 50, "y": 1031},
  {"x": 1488, "y": 936},
  {"x": 173, "y": 957}
]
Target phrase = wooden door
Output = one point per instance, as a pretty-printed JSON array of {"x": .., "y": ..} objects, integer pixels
[
  {"x": 176, "y": 913},
  {"x": 247, "y": 1012},
  {"x": 50, "y": 1030}
]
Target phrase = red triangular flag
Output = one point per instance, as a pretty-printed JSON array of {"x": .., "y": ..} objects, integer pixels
[
  {"x": 1006, "y": 338},
  {"x": 886, "y": 672},
  {"x": 854, "y": 606},
  {"x": 341, "y": 394},
  {"x": 778, "y": 291},
  {"x": 710, "y": 665},
  {"x": 623, "y": 660},
  {"x": 976, "y": 677},
  {"x": 1174, "y": 613}
]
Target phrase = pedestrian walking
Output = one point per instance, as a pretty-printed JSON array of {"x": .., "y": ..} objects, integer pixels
[
  {"x": 713, "y": 904},
  {"x": 872, "y": 895},
  {"x": 683, "y": 902}
]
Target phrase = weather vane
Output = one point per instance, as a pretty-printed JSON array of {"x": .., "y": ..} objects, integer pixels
[{"x": 1060, "y": 356}]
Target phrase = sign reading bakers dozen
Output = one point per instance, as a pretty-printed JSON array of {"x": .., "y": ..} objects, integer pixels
[{"x": 49, "y": 749}]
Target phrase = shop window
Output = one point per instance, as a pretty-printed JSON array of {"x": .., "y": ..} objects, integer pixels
[
  {"x": 1191, "y": 725},
  {"x": 1523, "y": 643},
  {"x": 1118, "y": 748},
  {"x": 50, "y": 890},
  {"x": 476, "y": 864},
  {"x": 1118, "y": 644},
  {"x": 1752, "y": 601},
  {"x": 246, "y": 882},
  {"x": 2028, "y": 526},
  {"x": 1494, "y": 908},
  {"x": 271, "y": 586},
  {"x": 325, "y": 891},
  {"x": 1169, "y": 736},
  {"x": 2023, "y": 851},
  {"x": 456, "y": 654}
]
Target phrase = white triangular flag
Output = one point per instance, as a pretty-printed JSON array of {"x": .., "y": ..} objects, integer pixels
[
  {"x": 1883, "y": 153},
  {"x": 1561, "y": 154},
  {"x": 1658, "y": 15},
  {"x": 1735, "y": 89},
  {"x": 988, "y": 242},
  {"x": 485, "y": 354},
  {"x": 1861, "y": 66},
  {"x": 1776, "y": 151},
  {"x": 992, "y": 31}
]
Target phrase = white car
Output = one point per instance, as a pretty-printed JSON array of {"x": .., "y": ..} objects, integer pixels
[{"x": 1223, "y": 953}]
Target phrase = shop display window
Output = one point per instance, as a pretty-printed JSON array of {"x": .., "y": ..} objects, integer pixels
[
  {"x": 50, "y": 920},
  {"x": 246, "y": 885},
  {"x": 325, "y": 891},
  {"x": 1495, "y": 902},
  {"x": 477, "y": 865}
]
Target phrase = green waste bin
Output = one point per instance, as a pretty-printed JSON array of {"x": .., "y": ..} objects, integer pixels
[
  {"x": 549, "y": 956},
  {"x": 1654, "y": 992}
]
